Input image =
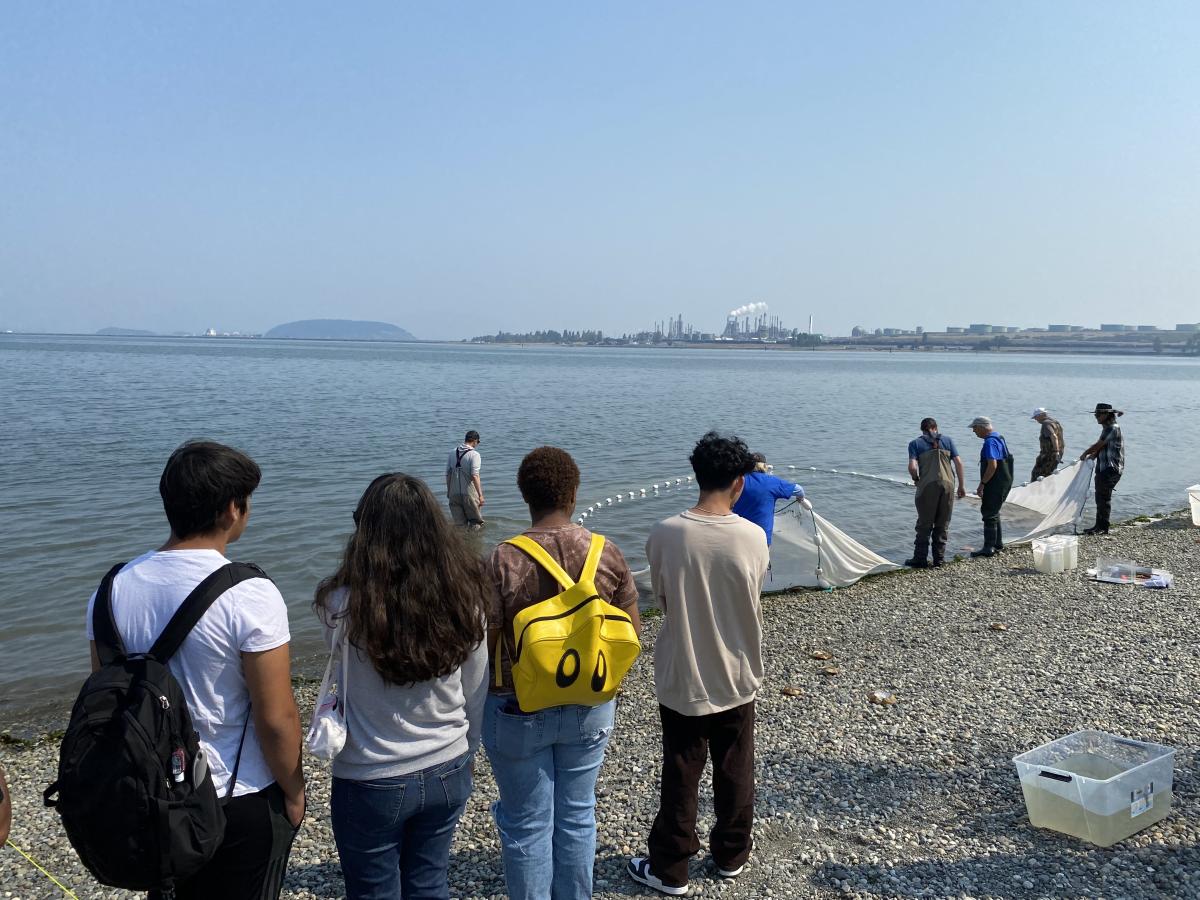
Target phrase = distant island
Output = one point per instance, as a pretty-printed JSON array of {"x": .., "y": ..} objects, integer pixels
[
  {"x": 125, "y": 332},
  {"x": 339, "y": 330}
]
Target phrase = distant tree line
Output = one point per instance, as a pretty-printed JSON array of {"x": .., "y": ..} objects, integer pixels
[{"x": 542, "y": 337}]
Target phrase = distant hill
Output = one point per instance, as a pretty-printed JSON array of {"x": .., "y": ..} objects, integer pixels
[
  {"x": 125, "y": 332},
  {"x": 339, "y": 330}
]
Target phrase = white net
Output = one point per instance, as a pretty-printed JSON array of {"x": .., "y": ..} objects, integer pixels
[{"x": 809, "y": 551}]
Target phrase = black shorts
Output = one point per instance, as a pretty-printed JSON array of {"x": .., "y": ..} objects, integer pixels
[{"x": 252, "y": 860}]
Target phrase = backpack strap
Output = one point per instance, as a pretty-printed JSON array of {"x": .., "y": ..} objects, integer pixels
[
  {"x": 545, "y": 560},
  {"x": 593, "y": 558},
  {"x": 197, "y": 603},
  {"x": 109, "y": 646}
]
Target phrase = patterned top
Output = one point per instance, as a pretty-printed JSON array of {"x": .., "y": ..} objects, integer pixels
[
  {"x": 520, "y": 582},
  {"x": 1112, "y": 454},
  {"x": 1051, "y": 439}
]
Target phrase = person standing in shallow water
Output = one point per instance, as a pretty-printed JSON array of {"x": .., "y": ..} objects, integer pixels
[
  {"x": 464, "y": 489},
  {"x": 1109, "y": 453},
  {"x": 1050, "y": 444},
  {"x": 931, "y": 458},
  {"x": 995, "y": 481}
]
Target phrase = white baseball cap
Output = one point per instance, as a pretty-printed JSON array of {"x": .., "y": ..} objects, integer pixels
[{"x": 1040, "y": 411}]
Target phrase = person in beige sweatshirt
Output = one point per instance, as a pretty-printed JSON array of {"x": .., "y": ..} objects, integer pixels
[{"x": 706, "y": 567}]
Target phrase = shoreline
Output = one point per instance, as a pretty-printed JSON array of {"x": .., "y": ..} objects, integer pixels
[{"x": 854, "y": 799}]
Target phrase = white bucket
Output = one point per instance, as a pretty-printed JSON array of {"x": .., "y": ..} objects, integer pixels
[
  {"x": 1048, "y": 556},
  {"x": 1194, "y": 502},
  {"x": 1070, "y": 547}
]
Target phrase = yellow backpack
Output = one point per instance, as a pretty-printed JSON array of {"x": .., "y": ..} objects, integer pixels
[{"x": 573, "y": 648}]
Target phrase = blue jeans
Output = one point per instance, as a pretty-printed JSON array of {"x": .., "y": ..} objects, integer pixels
[
  {"x": 393, "y": 834},
  {"x": 546, "y": 764}
]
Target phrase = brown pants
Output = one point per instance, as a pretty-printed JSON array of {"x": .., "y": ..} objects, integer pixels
[
  {"x": 935, "y": 506},
  {"x": 687, "y": 743}
]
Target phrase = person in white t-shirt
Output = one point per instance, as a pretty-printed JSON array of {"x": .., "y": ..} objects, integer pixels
[
  {"x": 234, "y": 667},
  {"x": 464, "y": 489}
]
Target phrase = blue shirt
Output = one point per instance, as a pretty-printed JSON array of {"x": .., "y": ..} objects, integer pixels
[
  {"x": 993, "y": 448},
  {"x": 757, "y": 502},
  {"x": 924, "y": 444}
]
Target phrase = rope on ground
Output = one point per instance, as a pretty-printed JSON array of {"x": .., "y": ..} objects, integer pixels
[{"x": 62, "y": 887}]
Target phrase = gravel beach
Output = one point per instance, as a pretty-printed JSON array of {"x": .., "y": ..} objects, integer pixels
[{"x": 915, "y": 799}]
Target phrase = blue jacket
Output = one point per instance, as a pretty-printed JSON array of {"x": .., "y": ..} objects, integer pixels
[{"x": 757, "y": 502}]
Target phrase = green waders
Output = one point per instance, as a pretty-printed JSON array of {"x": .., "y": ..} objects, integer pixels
[{"x": 935, "y": 504}]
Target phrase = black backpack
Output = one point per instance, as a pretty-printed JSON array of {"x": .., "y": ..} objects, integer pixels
[{"x": 134, "y": 790}]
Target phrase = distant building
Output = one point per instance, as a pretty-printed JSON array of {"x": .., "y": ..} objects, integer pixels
[
  {"x": 857, "y": 331},
  {"x": 954, "y": 329},
  {"x": 1185, "y": 327},
  {"x": 1058, "y": 328},
  {"x": 1012, "y": 329},
  {"x": 892, "y": 332},
  {"x": 1077, "y": 328},
  {"x": 878, "y": 332},
  {"x": 1147, "y": 328},
  {"x": 920, "y": 330},
  {"x": 1110, "y": 327},
  {"x": 979, "y": 328}
]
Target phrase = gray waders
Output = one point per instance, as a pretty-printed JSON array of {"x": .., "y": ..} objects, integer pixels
[{"x": 935, "y": 504}]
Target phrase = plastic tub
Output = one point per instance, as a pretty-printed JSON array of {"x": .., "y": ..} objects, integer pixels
[
  {"x": 1048, "y": 556},
  {"x": 1070, "y": 545},
  {"x": 1194, "y": 502},
  {"x": 1116, "y": 571},
  {"x": 1097, "y": 786}
]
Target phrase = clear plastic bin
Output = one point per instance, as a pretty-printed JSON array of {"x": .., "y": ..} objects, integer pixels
[
  {"x": 1097, "y": 786},
  {"x": 1048, "y": 557},
  {"x": 1117, "y": 571},
  {"x": 1194, "y": 502},
  {"x": 1070, "y": 545}
]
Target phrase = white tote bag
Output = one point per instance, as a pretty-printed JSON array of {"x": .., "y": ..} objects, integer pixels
[{"x": 327, "y": 734}]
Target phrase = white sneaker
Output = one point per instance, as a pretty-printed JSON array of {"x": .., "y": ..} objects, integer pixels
[
  {"x": 639, "y": 871},
  {"x": 730, "y": 873}
]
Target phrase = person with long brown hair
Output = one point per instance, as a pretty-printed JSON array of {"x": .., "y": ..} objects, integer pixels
[{"x": 414, "y": 598}]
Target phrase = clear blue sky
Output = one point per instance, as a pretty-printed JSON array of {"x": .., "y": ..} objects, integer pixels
[{"x": 457, "y": 168}]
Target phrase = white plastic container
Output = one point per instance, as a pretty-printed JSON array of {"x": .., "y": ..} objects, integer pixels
[
  {"x": 1194, "y": 503},
  {"x": 1097, "y": 786},
  {"x": 1048, "y": 556},
  {"x": 1070, "y": 545}
]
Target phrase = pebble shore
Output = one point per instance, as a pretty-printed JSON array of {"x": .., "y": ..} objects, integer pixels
[{"x": 915, "y": 799}]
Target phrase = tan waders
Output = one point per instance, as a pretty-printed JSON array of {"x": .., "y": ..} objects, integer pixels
[{"x": 935, "y": 504}]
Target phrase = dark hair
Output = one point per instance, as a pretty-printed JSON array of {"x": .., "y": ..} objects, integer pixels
[
  {"x": 929, "y": 424},
  {"x": 472, "y": 435},
  {"x": 200, "y": 480},
  {"x": 417, "y": 593},
  {"x": 548, "y": 479},
  {"x": 718, "y": 461}
]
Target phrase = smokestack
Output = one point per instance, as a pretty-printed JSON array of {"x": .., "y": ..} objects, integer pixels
[{"x": 810, "y": 331}]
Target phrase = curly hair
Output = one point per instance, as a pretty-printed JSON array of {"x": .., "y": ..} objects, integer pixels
[
  {"x": 418, "y": 593},
  {"x": 718, "y": 461},
  {"x": 548, "y": 479}
]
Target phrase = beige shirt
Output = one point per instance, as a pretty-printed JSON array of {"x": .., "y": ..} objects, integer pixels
[{"x": 707, "y": 574}]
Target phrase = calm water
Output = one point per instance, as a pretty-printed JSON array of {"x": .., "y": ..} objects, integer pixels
[{"x": 89, "y": 422}]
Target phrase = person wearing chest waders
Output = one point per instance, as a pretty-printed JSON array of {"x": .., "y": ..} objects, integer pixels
[
  {"x": 995, "y": 481},
  {"x": 932, "y": 461}
]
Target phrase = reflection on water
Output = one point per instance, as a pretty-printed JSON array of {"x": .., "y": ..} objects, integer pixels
[{"x": 89, "y": 422}]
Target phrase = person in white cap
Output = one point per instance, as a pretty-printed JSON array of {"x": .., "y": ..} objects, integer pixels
[{"x": 1052, "y": 446}]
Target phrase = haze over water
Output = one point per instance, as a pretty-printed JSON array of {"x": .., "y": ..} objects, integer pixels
[{"x": 89, "y": 423}]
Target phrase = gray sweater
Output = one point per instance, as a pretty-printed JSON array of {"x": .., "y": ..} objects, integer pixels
[{"x": 393, "y": 730}]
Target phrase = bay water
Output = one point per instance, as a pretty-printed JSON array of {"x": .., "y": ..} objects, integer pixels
[{"x": 88, "y": 422}]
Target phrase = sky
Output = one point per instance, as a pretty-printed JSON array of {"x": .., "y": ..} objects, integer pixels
[{"x": 461, "y": 168}]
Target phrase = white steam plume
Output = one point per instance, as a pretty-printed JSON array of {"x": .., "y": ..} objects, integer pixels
[{"x": 749, "y": 309}]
